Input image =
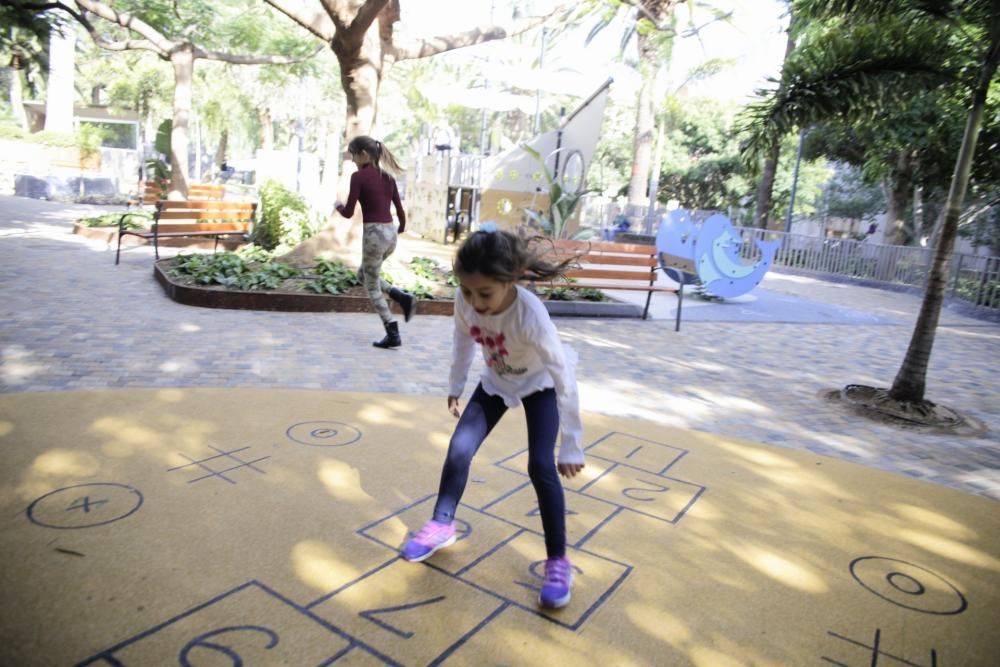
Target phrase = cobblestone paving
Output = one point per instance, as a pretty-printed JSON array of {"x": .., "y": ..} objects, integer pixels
[{"x": 72, "y": 320}]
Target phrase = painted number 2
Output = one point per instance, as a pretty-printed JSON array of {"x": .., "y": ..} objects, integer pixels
[{"x": 650, "y": 487}]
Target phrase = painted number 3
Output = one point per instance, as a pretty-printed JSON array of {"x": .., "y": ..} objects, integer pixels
[{"x": 650, "y": 487}]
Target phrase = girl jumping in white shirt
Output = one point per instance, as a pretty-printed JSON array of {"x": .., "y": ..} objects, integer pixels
[{"x": 525, "y": 364}]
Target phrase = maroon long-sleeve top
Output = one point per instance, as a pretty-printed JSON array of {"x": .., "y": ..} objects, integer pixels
[{"x": 375, "y": 189}]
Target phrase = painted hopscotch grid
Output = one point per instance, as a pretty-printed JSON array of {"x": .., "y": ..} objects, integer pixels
[
  {"x": 220, "y": 456},
  {"x": 638, "y": 483},
  {"x": 400, "y": 615},
  {"x": 243, "y": 631},
  {"x": 463, "y": 565}
]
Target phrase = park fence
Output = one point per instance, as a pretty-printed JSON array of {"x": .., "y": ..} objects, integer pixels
[{"x": 974, "y": 279}]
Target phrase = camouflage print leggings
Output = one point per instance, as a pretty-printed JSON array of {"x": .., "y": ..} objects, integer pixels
[{"x": 378, "y": 241}]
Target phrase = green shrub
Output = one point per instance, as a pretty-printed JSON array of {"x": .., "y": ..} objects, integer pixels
[
  {"x": 333, "y": 277},
  {"x": 285, "y": 219},
  {"x": 420, "y": 291},
  {"x": 230, "y": 270},
  {"x": 133, "y": 220},
  {"x": 570, "y": 293}
]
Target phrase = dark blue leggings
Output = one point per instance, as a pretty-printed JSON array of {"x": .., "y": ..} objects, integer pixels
[{"x": 478, "y": 419}]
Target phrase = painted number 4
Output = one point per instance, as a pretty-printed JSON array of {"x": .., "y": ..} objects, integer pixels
[{"x": 85, "y": 504}]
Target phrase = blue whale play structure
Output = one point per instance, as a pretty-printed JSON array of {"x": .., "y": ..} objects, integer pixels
[{"x": 710, "y": 253}]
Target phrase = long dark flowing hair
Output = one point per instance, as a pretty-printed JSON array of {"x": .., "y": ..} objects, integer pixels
[
  {"x": 507, "y": 257},
  {"x": 379, "y": 153}
]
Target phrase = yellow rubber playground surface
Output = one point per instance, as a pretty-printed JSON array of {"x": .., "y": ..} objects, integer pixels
[{"x": 259, "y": 527}]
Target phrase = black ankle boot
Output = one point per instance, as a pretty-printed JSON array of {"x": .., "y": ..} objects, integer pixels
[
  {"x": 405, "y": 300},
  {"x": 391, "y": 339}
]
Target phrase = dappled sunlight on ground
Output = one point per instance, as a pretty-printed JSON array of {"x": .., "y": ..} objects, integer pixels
[
  {"x": 316, "y": 564},
  {"x": 737, "y": 553},
  {"x": 19, "y": 365}
]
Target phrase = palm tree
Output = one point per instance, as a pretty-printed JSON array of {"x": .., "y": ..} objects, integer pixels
[
  {"x": 652, "y": 24},
  {"x": 877, "y": 58}
]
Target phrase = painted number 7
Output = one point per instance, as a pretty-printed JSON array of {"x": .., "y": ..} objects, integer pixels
[
  {"x": 651, "y": 487},
  {"x": 405, "y": 634}
]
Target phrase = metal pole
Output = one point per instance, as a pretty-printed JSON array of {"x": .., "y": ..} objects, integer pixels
[
  {"x": 538, "y": 91},
  {"x": 486, "y": 88},
  {"x": 795, "y": 181}
]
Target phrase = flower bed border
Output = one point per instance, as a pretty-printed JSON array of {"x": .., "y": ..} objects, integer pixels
[
  {"x": 276, "y": 300},
  {"x": 301, "y": 302}
]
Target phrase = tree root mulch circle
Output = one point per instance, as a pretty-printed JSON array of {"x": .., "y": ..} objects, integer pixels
[{"x": 926, "y": 416}]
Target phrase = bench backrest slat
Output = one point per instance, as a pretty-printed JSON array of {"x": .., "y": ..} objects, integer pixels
[
  {"x": 604, "y": 247},
  {"x": 611, "y": 274},
  {"x": 187, "y": 227},
  {"x": 208, "y": 213},
  {"x": 154, "y": 191},
  {"x": 187, "y": 205},
  {"x": 615, "y": 260}
]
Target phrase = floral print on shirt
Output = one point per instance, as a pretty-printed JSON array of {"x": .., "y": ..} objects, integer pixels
[{"x": 496, "y": 350}]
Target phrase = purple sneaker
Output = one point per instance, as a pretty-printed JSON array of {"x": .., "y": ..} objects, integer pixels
[
  {"x": 558, "y": 580},
  {"x": 432, "y": 536}
]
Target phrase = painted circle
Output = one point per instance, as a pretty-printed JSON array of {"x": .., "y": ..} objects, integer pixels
[
  {"x": 323, "y": 434},
  {"x": 572, "y": 173},
  {"x": 904, "y": 583},
  {"x": 505, "y": 206},
  {"x": 907, "y": 585},
  {"x": 63, "y": 509}
]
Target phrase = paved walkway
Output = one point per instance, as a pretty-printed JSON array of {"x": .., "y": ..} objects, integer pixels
[{"x": 73, "y": 320}]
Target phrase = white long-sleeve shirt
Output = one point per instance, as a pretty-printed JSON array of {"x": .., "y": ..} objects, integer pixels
[{"x": 523, "y": 354}]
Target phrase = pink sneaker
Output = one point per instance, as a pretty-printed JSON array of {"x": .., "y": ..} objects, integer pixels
[{"x": 432, "y": 536}]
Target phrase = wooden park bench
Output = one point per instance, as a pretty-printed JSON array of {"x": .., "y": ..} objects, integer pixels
[
  {"x": 154, "y": 191},
  {"x": 616, "y": 266},
  {"x": 179, "y": 219}
]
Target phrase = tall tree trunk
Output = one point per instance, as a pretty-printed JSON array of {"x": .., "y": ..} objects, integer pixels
[
  {"x": 182, "y": 61},
  {"x": 911, "y": 380},
  {"x": 765, "y": 188},
  {"x": 220, "y": 152},
  {"x": 59, "y": 87},
  {"x": 642, "y": 143},
  {"x": 266, "y": 128},
  {"x": 16, "y": 93},
  {"x": 361, "y": 76},
  {"x": 897, "y": 194}
]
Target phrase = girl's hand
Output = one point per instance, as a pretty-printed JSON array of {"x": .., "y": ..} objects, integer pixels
[
  {"x": 453, "y": 405},
  {"x": 569, "y": 470}
]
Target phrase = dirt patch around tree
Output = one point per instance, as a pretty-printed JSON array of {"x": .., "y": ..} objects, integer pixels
[{"x": 874, "y": 403}]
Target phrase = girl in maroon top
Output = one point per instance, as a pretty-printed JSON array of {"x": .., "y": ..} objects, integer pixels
[{"x": 375, "y": 189}]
